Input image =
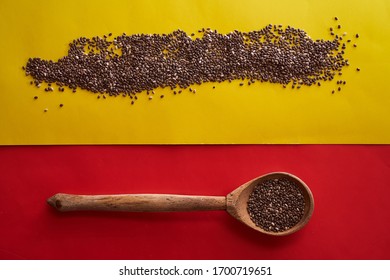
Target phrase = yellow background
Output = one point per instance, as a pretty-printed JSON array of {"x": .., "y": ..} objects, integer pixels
[{"x": 261, "y": 113}]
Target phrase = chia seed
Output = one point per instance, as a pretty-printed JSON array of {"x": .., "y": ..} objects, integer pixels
[
  {"x": 276, "y": 205},
  {"x": 130, "y": 64}
]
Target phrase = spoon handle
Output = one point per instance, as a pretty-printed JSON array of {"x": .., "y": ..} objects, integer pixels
[{"x": 136, "y": 202}]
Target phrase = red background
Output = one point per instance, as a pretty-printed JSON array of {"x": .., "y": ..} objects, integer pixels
[{"x": 350, "y": 184}]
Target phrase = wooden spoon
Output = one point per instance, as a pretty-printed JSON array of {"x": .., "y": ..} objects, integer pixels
[{"x": 235, "y": 203}]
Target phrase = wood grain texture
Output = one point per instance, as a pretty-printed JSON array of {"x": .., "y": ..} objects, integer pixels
[
  {"x": 235, "y": 203},
  {"x": 136, "y": 202}
]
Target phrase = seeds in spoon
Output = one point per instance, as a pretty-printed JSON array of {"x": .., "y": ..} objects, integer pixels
[{"x": 276, "y": 205}]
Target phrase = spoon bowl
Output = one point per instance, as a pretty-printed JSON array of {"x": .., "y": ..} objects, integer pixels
[
  {"x": 235, "y": 203},
  {"x": 237, "y": 200}
]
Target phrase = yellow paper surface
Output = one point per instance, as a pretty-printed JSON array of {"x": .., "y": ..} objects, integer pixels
[{"x": 261, "y": 113}]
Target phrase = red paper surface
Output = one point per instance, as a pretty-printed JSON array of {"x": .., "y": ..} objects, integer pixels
[{"x": 350, "y": 184}]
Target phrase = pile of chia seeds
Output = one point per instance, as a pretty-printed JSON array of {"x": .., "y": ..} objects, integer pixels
[
  {"x": 130, "y": 64},
  {"x": 276, "y": 205}
]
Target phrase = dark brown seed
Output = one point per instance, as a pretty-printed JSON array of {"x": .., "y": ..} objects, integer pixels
[
  {"x": 358, "y": 69},
  {"x": 354, "y": 45},
  {"x": 276, "y": 205},
  {"x": 339, "y": 26},
  {"x": 35, "y": 97},
  {"x": 61, "y": 105},
  {"x": 339, "y": 89},
  {"x": 272, "y": 54},
  {"x": 161, "y": 96},
  {"x": 332, "y": 91},
  {"x": 357, "y": 35},
  {"x": 336, "y": 18}
]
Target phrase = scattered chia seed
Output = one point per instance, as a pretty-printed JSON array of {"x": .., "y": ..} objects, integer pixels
[
  {"x": 276, "y": 205},
  {"x": 130, "y": 64}
]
